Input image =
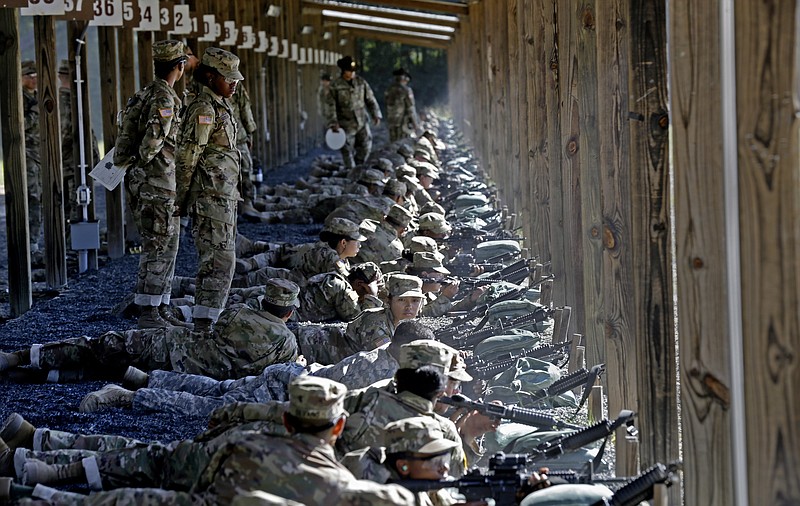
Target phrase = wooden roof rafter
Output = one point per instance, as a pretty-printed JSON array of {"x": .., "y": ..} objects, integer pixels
[
  {"x": 456, "y": 8},
  {"x": 366, "y": 33},
  {"x": 381, "y": 12},
  {"x": 387, "y": 23}
]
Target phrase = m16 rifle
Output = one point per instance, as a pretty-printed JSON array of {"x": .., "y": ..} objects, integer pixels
[
  {"x": 469, "y": 340},
  {"x": 482, "y": 369},
  {"x": 513, "y": 413}
]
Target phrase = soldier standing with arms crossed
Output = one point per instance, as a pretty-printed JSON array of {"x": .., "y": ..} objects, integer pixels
[
  {"x": 346, "y": 104},
  {"x": 208, "y": 178},
  {"x": 145, "y": 147}
]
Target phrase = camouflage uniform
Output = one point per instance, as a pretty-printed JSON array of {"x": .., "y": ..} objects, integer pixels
[
  {"x": 371, "y": 329},
  {"x": 383, "y": 246},
  {"x": 33, "y": 171},
  {"x": 244, "y": 342},
  {"x": 347, "y": 104},
  {"x": 208, "y": 177},
  {"x": 401, "y": 111},
  {"x": 150, "y": 188},
  {"x": 328, "y": 296},
  {"x": 319, "y": 258},
  {"x": 245, "y": 126},
  {"x": 361, "y": 369}
]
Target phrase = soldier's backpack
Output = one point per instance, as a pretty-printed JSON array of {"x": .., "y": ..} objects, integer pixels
[{"x": 132, "y": 122}]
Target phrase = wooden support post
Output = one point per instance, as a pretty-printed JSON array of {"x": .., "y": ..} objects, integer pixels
[
  {"x": 557, "y": 325},
  {"x": 50, "y": 134},
  {"x": 660, "y": 495},
  {"x": 577, "y": 359},
  {"x": 595, "y": 407},
  {"x": 127, "y": 88},
  {"x": 115, "y": 215},
  {"x": 564, "y": 329},
  {"x": 12, "y": 127},
  {"x": 144, "y": 44}
]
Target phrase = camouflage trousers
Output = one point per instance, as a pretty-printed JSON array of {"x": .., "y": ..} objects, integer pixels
[
  {"x": 260, "y": 277},
  {"x": 397, "y": 132},
  {"x": 132, "y": 497},
  {"x": 171, "y": 392},
  {"x": 357, "y": 146},
  {"x": 33, "y": 175},
  {"x": 112, "y": 352},
  {"x": 160, "y": 232},
  {"x": 215, "y": 240},
  {"x": 247, "y": 188}
]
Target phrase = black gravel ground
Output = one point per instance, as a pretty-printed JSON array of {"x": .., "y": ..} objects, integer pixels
[{"x": 86, "y": 308}]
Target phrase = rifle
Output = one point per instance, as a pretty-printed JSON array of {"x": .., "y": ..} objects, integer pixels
[
  {"x": 513, "y": 413},
  {"x": 483, "y": 370},
  {"x": 573, "y": 380},
  {"x": 564, "y": 443},
  {"x": 641, "y": 488},
  {"x": 480, "y": 311},
  {"x": 471, "y": 339}
]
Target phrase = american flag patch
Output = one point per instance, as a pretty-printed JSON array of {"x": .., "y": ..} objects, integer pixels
[
  {"x": 204, "y": 120},
  {"x": 165, "y": 113}
]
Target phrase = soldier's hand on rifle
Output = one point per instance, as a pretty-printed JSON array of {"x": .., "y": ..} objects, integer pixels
[
  {"x": 450, "y": 290},
  {"x": 477, "y": 293}
]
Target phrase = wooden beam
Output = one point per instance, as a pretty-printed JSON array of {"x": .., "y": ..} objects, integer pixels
[
  {"x": 127, "y": 88},
  {"x": 51, "y": 166},
  {"x": 424, "y": 5},
  {"x": 384, "y": 13},
  {"x": 384, "y": 24},
  {"x": 16, "y": 188},
  {"x": 391, "y": 37}
]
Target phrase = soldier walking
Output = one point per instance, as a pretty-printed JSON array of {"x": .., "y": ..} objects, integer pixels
[
  {"x": 146, "y": 148},
  {"x": 401, "y": 110},
  {"x": 347, "y": 103}
]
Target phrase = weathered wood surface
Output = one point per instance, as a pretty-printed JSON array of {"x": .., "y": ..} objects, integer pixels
[
  {"x": 115, "y": 214},
  {"x": 654, "y": 327},
  {"x": 51, "y": 167},
  {"x": 769, "y": 218},
  {"x": 11, "y": 127},
  {"x": 127, "y": 88}
]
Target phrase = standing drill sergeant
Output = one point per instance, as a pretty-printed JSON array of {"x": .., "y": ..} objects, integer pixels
[
  {"x": 208, "y": 177},
  {"x": 401, "y": 111},
  {"x": 146, "y": 148},
  {"x": 346, "y": 105},
  {"x": 245, "y": 127},
  {"x": 33, "y": 170}
]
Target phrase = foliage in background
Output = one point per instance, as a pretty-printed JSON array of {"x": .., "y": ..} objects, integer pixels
[{"x": 428, "y": 68}]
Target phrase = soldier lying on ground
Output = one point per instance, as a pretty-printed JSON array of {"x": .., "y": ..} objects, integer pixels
[
  {"x": 244, "y": 342},
  {"x": 301, "y": 466}
]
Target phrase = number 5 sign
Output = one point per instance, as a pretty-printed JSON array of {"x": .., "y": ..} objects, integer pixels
[{"x": 107, "y": 13}]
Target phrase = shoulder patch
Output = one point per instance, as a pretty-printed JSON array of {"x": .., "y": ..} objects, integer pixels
[
  {"x": 165, "y": 113},
  {"x": 204, "y": 120}
]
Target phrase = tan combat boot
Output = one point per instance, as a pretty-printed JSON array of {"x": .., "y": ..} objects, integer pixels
[
  {"x": 134, "y": 378},
  {"x": 36, "y": 471},
  {"x": 151, "y": 319},
  {"x": 110, "y": 396},
  {"x": 168, "y": 316},
  {"x": 17, "y": 432}
]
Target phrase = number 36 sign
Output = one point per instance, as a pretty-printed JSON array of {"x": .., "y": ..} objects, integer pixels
[{"x": 107, "y": 13}]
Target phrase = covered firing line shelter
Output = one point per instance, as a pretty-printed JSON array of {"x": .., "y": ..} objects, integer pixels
[{"x": 650, "y": 148}]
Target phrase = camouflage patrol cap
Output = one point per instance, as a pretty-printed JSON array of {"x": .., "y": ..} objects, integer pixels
[
  {"x": 427, "y": 261},
  {"x": 316, "y": 399},
  {"x": 346, "y": 63},
  {"x": 423, "y": 243},
  {"x": 28, "y": 67},
  {"x": 424, "y": 352},
  {"x": 405, "y": 150},
  {"x": 403, "y": 285},
  {"x": 63, "y": 67},
  {"x": 425, "y": 169},
  {"x": 368, "y": 272},
  {"x": 399, "y": 216},
  {"x": 344, "y": 227},
  {"x": 384, "y": 164},
  {"x": 421, "y": 153},
  {"x": 431, "y": 207},
  {"x": 281, "y": 292},
  {"x": 394, "y": 188},
  {"x": 368, "y": 227},
  {"x": 420, "y": 434},
  {"x": 224, "y": 62},
  {"x": 458, "y": 368},
  {"x": 406, "y": 171},
  {"x": 372, "y": 176},
  {"x": 434, "y": 222},
  {"x": 401, "y": 72},
  {"x": 169, "y": 50}
]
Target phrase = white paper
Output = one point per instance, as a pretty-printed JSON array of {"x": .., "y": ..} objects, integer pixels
[{"x": 106, "y": 173}]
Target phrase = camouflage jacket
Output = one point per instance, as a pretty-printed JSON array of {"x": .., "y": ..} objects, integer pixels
[
  {"x": 243, "y": 112},
  {"x": 436, "y": 305},
  {"x": 243, "y": 343},
  {"x": 348, "y": 102},
  {"x": 328, "y": 296},
  {"x": 317, "y": 259},
  {"x": 373, "y": 407},
  {"x": 207, "y": 158},
  {"x": 371, "y": 329},
  {"x": 68, "y": 133},
  {"x": 361, "y": 369},
  {"x": 383, "y": 246},
  {"x": 300, "y": 467},
  {"x": 30, "y": 106},
  {"x": 157, "y": 125},
  {"x": 401, "y": 110}
]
